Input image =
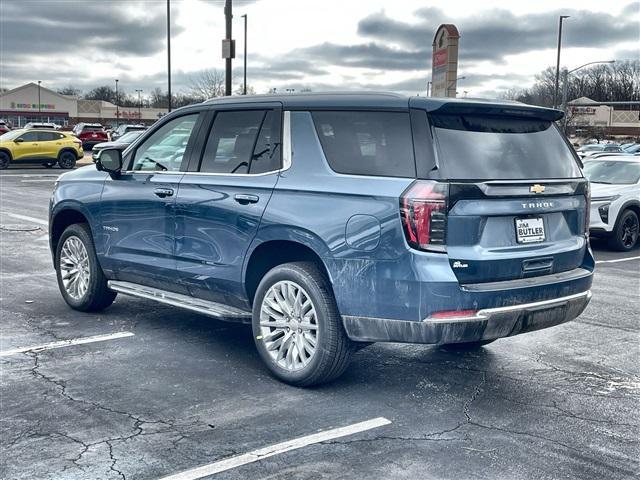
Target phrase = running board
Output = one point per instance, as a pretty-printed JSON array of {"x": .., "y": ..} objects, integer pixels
[{"x": 205, "y": 307}]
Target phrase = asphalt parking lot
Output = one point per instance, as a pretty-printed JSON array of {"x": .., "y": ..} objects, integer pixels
[{"x": 162, "y": 391}]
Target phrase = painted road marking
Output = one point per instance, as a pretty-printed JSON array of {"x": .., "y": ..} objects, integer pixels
[
  {"x": 28, "y": 175},
  {"x": 66, "y": 343},
  {"x": 618, "y": 260},
  {"x": 26, "y": 218},
  {"x": 41, "y": 180},
  {"x": 255, "y": 455}
]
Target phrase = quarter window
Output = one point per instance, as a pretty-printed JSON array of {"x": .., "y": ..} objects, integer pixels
[
  {"x": 367, "y": 143},
  {"x": 164, "y": 150}
]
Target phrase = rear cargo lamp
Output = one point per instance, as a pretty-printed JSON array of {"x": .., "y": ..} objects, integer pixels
[{"x": 423, "y": 210}]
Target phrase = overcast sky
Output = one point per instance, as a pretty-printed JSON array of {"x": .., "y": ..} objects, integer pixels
[{"x": 322, "y": 45}]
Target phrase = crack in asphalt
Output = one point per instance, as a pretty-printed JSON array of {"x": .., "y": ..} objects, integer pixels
[{"x": 138, "y": 422}]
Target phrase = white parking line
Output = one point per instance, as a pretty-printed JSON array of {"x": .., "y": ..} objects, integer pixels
[
  {"x": 66, "y": 343},
  {"x": 52, "y": 179},
  {"x": 618, "y": 260},
  {"x": 29, "y": 175},
  {"x": 26, "y": 218},
  {"x": 276, "y": 449}
]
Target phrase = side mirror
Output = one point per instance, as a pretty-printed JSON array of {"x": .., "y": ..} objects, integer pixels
[
  {"x": 18, "y": 140},
  {"x": 109, "y": 160}
]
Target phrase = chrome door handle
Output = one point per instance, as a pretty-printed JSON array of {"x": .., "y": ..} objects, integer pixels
[
  {"x": 244, "y": 199},
  {"x": 163, "y": 192}
]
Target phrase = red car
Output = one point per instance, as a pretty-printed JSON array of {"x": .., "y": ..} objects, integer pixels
[
  {"x": 90, "y": 134},
  {"x": 4, "y": 128}
]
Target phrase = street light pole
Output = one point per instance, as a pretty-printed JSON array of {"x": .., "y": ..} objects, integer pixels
[
  {"x": 455, "y": 81},
  {"x": 565, "y": 88},
  {"x": 169, "y": 52},
  {"x": 244, "y": 89},
  {"x": 555, "y": 88},
  {"x": 139, "y": 104},
  {"x": 228, "y": 16},
  {"x": 117, "y": 106},
  {"x": 39, "y": 102}
]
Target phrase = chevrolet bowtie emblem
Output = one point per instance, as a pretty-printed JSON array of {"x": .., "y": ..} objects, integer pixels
[{"x": 536, "y": 188}]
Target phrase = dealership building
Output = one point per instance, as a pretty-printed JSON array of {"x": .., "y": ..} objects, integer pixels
[{"x": 35, "y": 103}]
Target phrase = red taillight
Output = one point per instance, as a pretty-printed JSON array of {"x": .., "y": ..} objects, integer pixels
[{"x": 423, "y": 209}]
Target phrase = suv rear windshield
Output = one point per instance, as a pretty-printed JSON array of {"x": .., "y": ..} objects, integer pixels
[
  {"x": 475, "y": 147},
  {"x": 367, "y": 143}
]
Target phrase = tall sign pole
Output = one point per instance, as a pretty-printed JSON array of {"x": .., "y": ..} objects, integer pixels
[
  {"x": 444, "y": 61},
  {"x": 228, "y": 47},
  {"x": 169, "y": 52}
]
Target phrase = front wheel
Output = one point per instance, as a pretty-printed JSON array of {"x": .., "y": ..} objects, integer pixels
[
  {"x": 297, "y": 328},
  {"x": 5, "y": 160},
  {"x": 625, "y": 233},
  {"x": 67, "y": 160},
  {"x": 80, "y": 277}
]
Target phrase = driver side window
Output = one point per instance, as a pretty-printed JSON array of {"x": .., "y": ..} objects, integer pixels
[{"x": 164, "y": 149}]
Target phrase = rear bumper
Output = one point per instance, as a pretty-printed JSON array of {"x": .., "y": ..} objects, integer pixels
[{"x": 486, "y": 324}]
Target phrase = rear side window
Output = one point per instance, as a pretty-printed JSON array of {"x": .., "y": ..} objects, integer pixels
[
  {"x": 243, "y": 141},
  {"x": 475, "y": 147},
  {"x": 367, "y": 143}
]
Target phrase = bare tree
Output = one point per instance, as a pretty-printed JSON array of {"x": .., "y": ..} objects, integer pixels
[{"x": 207, "y": 84}]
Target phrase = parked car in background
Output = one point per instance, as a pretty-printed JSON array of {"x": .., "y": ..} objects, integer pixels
[
  {"x": 48, "y": 125},
  {"x": 615, "y": 199},
  {"x": 90, "y": 134},
  {"x": 595, "y": 155},
  {"x": 40, "y": 146},
  {"x": 122, "y": 129},
  {"x": 4, "y": 127},
  {"x": 587, "y": 150},
  {"x": 123, "y": 142},
  {"x": 632, "y": 148},
  {"x": 328, "y": 221}
]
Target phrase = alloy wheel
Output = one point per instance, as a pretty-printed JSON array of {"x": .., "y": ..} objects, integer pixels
[
  {"x": 74, "y": 267},
  {"x": 629, "y": 231},
  {"x": 289, "y": 325}
]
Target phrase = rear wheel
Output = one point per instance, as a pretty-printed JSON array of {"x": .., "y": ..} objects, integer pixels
[
  {"x": 5, "y": 160},
  {"x": 80, "y": 277},
  {"x": 625, "y": 233},
  {"x": 67, "y": 160},
  {"x": 297, "y": 328},
  {"x": 465, "y": 346}
]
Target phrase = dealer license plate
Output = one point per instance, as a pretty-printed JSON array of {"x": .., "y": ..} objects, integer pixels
[{"x": 529, "y": 230}]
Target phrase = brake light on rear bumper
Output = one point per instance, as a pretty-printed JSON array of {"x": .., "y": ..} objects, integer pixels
[{"x": 423, "y": 210}]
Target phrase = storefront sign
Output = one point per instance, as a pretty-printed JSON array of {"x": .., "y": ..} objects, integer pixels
[{"x": 32, "y": 106}]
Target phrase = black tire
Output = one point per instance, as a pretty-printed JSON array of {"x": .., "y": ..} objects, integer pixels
[
  {"x": 333, "y": 348},
  {"x": 625, "y": 232},
  {"x": 67, "y": 160},
  {"x": 465, "y": 346},
  {"x": 5, "y": 160},
  {"x": 97, "y": 295}
]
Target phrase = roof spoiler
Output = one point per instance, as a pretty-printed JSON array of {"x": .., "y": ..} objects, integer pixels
[{"x": 515, "y": 110}]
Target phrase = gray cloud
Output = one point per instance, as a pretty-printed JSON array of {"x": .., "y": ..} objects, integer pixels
[{"x": 84, "y": 30}]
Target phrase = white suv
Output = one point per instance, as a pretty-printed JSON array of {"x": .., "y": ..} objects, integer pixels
[{"x": 615, "y": 199}]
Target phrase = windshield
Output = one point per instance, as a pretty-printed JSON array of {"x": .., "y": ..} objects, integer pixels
[
  {"x": 476, "y": 147},
  {"x": 11, "y": 135},
  {"x": 129, "y": 137},
  {"x": 591, "y": 148},
  {"x": 607, "y": 171}
]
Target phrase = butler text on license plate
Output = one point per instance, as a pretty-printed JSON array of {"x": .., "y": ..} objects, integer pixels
[{"x": 529, "y": 230}]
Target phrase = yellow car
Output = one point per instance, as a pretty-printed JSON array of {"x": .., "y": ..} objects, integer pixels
[{"x": 39, "y": 145}]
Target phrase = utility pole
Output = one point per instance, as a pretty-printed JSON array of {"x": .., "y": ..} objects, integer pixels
[
  {"x": 39, "y": 102},
  {"x": 555, "y": 88},
  {"x": 117, "y": 106},
  {"x": 139, "y": 104},
  {"x": 244, "y": 88},
  {"x": 228, "y": 55},
  {"x": 169, "y": 51}
]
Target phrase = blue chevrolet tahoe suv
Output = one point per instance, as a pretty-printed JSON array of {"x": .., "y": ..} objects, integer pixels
[{"x": 330, "y": 221}]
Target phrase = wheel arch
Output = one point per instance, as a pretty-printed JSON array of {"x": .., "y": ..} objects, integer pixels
[
  {"x": 272, "y": 252},
  {"x": 60, "y": 220},
  {"x": 67, "y": 149},
  {"x": 7, "y": 151},
  {"x": 633, "y": 205}
]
